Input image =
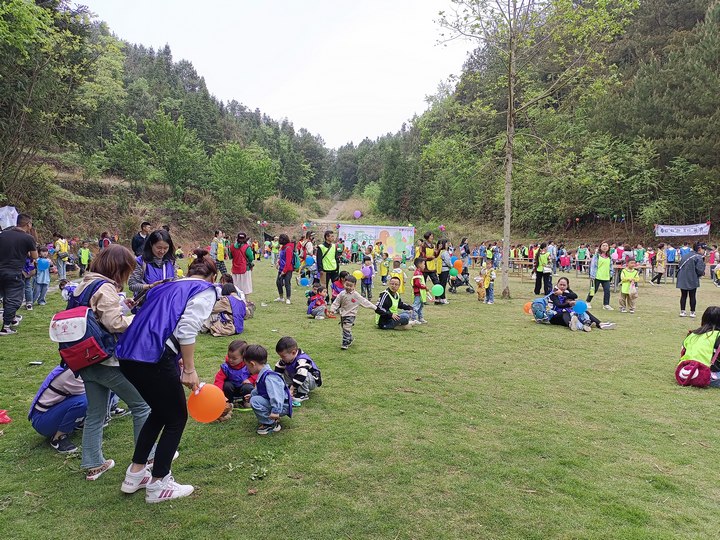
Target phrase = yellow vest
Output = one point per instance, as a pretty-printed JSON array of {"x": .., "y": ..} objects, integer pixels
[
  {"x": 329, "y": 262},
  {"x": 700, "y": 347},
  {"x": 430, "y": 265},
  {"x": 396, "y": 272},
  {"x": 220, "y": 251}
]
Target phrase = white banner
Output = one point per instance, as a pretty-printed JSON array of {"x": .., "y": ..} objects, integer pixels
[
  {"x": 395, "y": 239},
  {"x": 699, "y": 229}
]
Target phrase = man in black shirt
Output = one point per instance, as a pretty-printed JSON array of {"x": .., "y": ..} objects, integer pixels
[
  {"x": 138, "y": 241},
  {"x": 15, "y": 246}
]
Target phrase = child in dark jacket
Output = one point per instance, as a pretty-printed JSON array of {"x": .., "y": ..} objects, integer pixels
[
  {"x": 234, "y": 378},
  {"x": 298, "y": 369}
]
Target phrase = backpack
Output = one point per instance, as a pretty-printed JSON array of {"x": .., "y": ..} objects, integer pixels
[
  {"x": 540, "y": 311},
  {"x": 83, "y": 341},
  {"x": 693, "y": 373}
]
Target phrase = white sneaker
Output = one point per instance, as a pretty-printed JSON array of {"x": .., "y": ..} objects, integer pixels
[
  {"x": 607, "y": 326},
  {"x": 135, "y": 481},
  {"x": 319, "y": 318},
  {"x": 573, "y": 322},
  {"x": 279, "y": 299},
  {"x": 609, "y": 308},
  {"x": 286, "y": 301},
  {"x": 683, "y": 314},
  {"x": 623, "y": 310},
  {"x": 588, "y": 305},
  {"x": 165, "y": 490},
  {"x": 692, "y": 314}
]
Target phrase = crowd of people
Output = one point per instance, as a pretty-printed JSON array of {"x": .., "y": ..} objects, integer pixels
[{"x": 147, "y": 342}]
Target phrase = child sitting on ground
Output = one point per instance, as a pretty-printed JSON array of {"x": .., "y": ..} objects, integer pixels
[
  {"x": 226, "y": 279},
  {"x": 228, "y": 314},
  {"x": 234, "y": 379},
  {"x": 701, "y": 345},
  {"x": 67, "y": 288},
  {"x": 347, "y": 304},
  {"x": 368, "y": 272},
  {"x": 338, "y": 285},
  {"x": 298, "y": 369},
  {"x": 271, "y": 398},
  {"x": 316, "y": 304}
]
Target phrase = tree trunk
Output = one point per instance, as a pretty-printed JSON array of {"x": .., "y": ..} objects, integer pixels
[{"x": 510, "y": 137}]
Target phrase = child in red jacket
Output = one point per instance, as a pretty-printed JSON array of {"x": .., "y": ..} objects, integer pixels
[{"x": 234, "y": 379}]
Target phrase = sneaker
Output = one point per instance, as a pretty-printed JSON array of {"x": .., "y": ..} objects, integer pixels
[
  {"x": 607, "y": 326},
  {"x": 63, "y": 445},
  {"x": 118, "y": 412},
  {"x": 267, "y": 429},
  {"x": 423, "y": 321},
  {"x": 319, "y": 318},
  {"x": 106, "y": 423},
  {"x": 296, "y": 403},
  {"x": 573, "y": 322},
  {"x": 683, "y": 314},
  {"x": 97, "y": 472},
  {"x": 288, "y": 302},
  {"x": 17, "y": 320},
  {"x": 42, "y": 303},
  {"x": 344, "y": 347},
  {"x": 587, "y": 328},
  {"x": 490, "y": 303},
  {"x": 279, "y": 299},
  {"x": 609, "y": 308},
  {"x": 692, "y": 314},
  {"x": 632, "y": 311},
  {"x": 28, "y": 307},
  {"x": 7, "y": 331},
  {"x": 165, "y": 490},
  {"x": 623, "y": 310},
  {"x": 135, "y": 481},
  {"x": 302, "y": 397}
]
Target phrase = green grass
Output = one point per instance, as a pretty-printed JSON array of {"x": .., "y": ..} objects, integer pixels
[{"x": 477, "y": 425}]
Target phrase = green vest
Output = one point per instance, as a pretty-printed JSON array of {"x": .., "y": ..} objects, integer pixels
[
  {"x": 329, "y": 262},
  {"x": 393, "y": 307},
  {"x": 700, "y": 347}
]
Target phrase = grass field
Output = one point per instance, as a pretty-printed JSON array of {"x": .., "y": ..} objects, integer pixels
[{"x": 479, "y": 424}]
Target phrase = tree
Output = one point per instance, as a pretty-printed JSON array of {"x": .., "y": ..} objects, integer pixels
[
  {"x": 176, "y": 152},
  {"x": 128, "y": 154},
  {"x": 568, "y": 37},
  {"x": 245, "y": 174}
]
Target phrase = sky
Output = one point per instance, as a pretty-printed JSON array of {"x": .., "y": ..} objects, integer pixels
[{"x": 343, "y": 69}]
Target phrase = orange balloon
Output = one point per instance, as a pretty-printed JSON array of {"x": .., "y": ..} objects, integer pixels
[
  {"x": 527, "y": 308},
  {"x": 458, "y": 265},
  {"x": 206, "y": 404}
]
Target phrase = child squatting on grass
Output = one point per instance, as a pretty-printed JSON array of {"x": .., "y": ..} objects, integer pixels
[
  {"x": 347, "y": 304},
  {"x": 299, "y": 371},
  {"x": 234, "y": 379},
  {"x": 271, "y": 398}
]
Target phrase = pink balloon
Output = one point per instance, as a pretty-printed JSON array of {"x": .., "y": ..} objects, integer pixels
[{"x": 366, "y": 271}]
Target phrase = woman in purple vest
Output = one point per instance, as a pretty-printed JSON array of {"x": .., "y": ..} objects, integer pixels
[
  {"x": 163, "y": 332},
  {"x": 156, "y": 264}
]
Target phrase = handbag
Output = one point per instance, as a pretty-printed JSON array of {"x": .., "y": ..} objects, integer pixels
[
  {"x": 633, "y": 292},
  {"x": 547, "y": 269}
]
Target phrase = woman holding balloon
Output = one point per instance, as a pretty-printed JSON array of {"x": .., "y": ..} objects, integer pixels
[
  {"x": 445, "y": 265},
  {"x": 157, "y": 355},
  {"x": 571, "y": 312}
]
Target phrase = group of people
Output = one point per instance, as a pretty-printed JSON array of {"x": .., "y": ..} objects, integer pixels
[{"x": 152, "y": 335}]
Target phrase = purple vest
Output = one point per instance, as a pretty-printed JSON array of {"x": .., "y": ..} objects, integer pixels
[
  {"x": 153, "y": 273},
  {"x": 238, "y": 314},
  {"x": 144, "y": 340},
  {"x": 262, "y": 389},
  {"x": 235, "y": 376},
  {"x": 59, "y": 370},
  {"x": 292, "y": 367}
]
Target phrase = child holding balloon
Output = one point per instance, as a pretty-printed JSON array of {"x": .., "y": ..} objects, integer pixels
[{"x": 419, "y": 289}]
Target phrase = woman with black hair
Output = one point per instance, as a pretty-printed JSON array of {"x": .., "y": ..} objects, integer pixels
[
  {"x": 285, "y": 269},
  {"x": 163, "y": 333},
  {"x": 156, "y": 264},
  {"x": 689, "y": 272}
]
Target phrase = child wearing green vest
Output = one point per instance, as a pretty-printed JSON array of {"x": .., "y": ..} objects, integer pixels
[
  {"x": 702, "y": 344},
  {"x": 84, "y": 257},
  {"x": 629, "y": 278}
]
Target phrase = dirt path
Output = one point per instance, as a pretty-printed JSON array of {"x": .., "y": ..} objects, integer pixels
[{"x": 332, "y": 214}]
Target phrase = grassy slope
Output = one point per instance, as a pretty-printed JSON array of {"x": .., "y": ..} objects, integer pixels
[{"x": 477, "y": 425}]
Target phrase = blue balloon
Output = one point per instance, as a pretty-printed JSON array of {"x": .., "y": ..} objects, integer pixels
[
  {"x": 309, "y": 261},
  {"x": 454, "y": 259},
  {"x": 304, "y": 282},
  {"x": 580, "y": 307}
]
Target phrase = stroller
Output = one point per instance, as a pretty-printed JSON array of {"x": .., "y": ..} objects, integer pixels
[{"x": 461, "y": 280}]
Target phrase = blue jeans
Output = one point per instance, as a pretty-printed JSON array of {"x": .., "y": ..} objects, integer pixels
[
  {"x": 490, "y": 293},
  {"x": 64, "y": 417},
  {"x": 40, "y": 292},
  {"x": 392, "y": 323},
  {"x": 261, "y": 408},
  {"x": 418, "y": 308},
  {"x": 61, "y": 268},
  {"x": 99, "y": 381},
  {"x": 28, "y": 290}
]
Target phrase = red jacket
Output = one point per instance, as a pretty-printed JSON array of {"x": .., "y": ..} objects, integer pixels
[
  {"x": 285, "y": 262},
  {"x": 220, "y": 376}
]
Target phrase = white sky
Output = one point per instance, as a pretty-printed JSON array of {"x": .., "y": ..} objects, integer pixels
[{"x": 344, "y": 69}]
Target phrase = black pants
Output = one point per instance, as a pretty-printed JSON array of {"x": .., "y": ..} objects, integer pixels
[
  {"x": 82, "y": 268},
  {"x": 330, "y": 277},
  {"x": 606, "y": 291},
  {"x": 433, "y": 277},
  {"x": 12, "y": 290},
  {"x": 444, "y": 275},
  {"x": 159, "y": 385},
  {"x": 233, "y": 391},
  {"x": 544, "y": 280},
  {"x": 284, "y": 280},
  {"x": 657, "y": 277},
  {"x": 684, "y": 293}
]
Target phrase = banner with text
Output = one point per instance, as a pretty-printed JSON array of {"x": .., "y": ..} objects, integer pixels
[
  {"x": 699, "y": 229},
  {"x": 395, "y": 239}
]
